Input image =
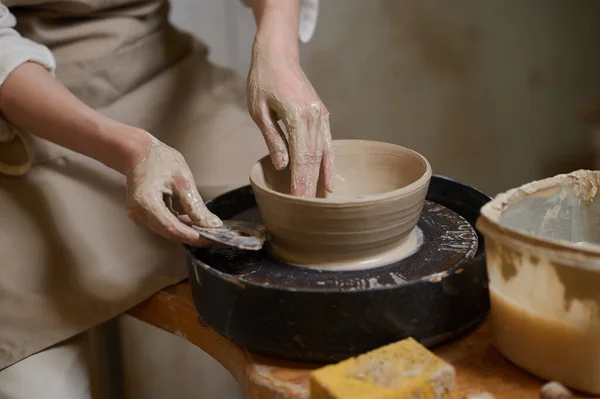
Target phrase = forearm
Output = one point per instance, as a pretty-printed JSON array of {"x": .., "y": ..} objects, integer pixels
[
  {"x": 33, "y": 100},
  {"x": 277, "y": 21}
]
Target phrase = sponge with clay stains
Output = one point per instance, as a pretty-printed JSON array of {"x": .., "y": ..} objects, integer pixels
[{"x": 401, "y": 370}]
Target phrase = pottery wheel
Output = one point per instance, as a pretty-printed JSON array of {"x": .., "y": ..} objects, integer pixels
[{"x": 320, "y": 315}]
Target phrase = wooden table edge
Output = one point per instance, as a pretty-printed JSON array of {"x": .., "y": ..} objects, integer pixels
[{"x": 479, "y": 366}]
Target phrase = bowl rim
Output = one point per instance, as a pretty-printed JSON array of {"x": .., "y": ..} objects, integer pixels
[
  {"x": 423, "y": 180},
  {"x": 489, "y": 220}
]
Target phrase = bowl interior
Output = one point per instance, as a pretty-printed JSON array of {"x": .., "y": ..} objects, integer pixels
[{"x": 362, "y": 169}]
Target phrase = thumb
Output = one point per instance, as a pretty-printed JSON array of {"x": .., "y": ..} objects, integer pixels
[{"x": 194, "y": 206}]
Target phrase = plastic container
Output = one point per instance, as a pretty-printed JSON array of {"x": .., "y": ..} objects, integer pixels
[{"x": 543, "y": 258}]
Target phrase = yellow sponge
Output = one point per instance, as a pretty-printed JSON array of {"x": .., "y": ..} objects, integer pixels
[{"x": 403, "y": 370}]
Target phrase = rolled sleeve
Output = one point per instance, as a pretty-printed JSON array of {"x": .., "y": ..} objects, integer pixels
[
  {"x": 15, "y": 50},
  {"x": 309, "y": 13}
]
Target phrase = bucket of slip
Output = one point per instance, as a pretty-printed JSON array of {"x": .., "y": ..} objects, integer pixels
[{"x": 543, "y": 259}]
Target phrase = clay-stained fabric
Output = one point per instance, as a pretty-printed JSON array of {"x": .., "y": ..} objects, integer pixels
[
  {"x": 15, "y": 157},
  {"x": 63, "y": 371},
  {"x": 70, "y": 258},
  {"x": 87, "y": 36}
]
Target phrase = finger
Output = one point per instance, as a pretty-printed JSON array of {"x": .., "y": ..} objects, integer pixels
[
  {"x": 169, "y": 202},
  {"x": 327, "y": 163},
  {"x": 314, "y": 148},
  {"x": 274, "y": 137},
  {"x": 185, "y": 219},
  {"x": 192, "y": 202},
  {"x": 297, "y": 135},
  {"x": 305, "y": 157},
  {"x": 163, "y": 222}
]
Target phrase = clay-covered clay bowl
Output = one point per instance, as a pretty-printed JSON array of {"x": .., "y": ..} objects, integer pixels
[
  {"x": 369, "y": 219},
  {"x": 542, "y": 244}
]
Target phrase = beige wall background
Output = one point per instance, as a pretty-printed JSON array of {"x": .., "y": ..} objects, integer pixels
[
  {"x": 491, "y": 92},
  {"x": 467, "y": 83}
]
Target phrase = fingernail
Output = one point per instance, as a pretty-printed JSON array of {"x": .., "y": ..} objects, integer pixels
[
  {"x": 214, "y": 221},
  {"x": 281, "y": 160},
  {"x": 330, "y": 185}
]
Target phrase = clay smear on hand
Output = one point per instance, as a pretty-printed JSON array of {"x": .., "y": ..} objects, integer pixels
[
  {"x": 279, "y": 90},
  {"x": 163, "y": 171}
]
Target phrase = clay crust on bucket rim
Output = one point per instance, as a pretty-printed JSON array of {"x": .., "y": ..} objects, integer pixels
[{"x": 577, "y": 256}]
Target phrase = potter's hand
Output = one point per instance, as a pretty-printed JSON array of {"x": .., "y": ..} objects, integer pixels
[
  {"x": 163, "y": 171},
  {"x": 33, "y": 100},
  {"x": 279, "y": 90}
]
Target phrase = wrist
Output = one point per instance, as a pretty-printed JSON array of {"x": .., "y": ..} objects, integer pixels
[
  {"x": 276, "y": 47},
  {"x": 277, "y": 28},
  {"x": 129, "y": 148}
]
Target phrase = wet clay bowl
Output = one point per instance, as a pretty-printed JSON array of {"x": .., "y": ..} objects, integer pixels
[
  {"x": 369, "y": 220},
  {"x": 542, "y": 245}
]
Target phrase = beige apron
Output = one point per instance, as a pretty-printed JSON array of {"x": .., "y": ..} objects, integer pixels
[{"x": 70, "y": 258}]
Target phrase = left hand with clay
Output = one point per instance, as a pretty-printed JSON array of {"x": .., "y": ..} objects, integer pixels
[
  {"x": 154, "y": 171},
  {"x": 278, "y": 89},
  {"x": 161, "y": 171}
]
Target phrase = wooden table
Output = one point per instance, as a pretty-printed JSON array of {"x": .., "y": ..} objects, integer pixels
[{"x": 480, "y": 368}]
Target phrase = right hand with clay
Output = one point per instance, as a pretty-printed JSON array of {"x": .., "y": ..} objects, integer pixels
[
  {"x": 163, "y": 172},
  {"x": 277, "y": 90}
]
